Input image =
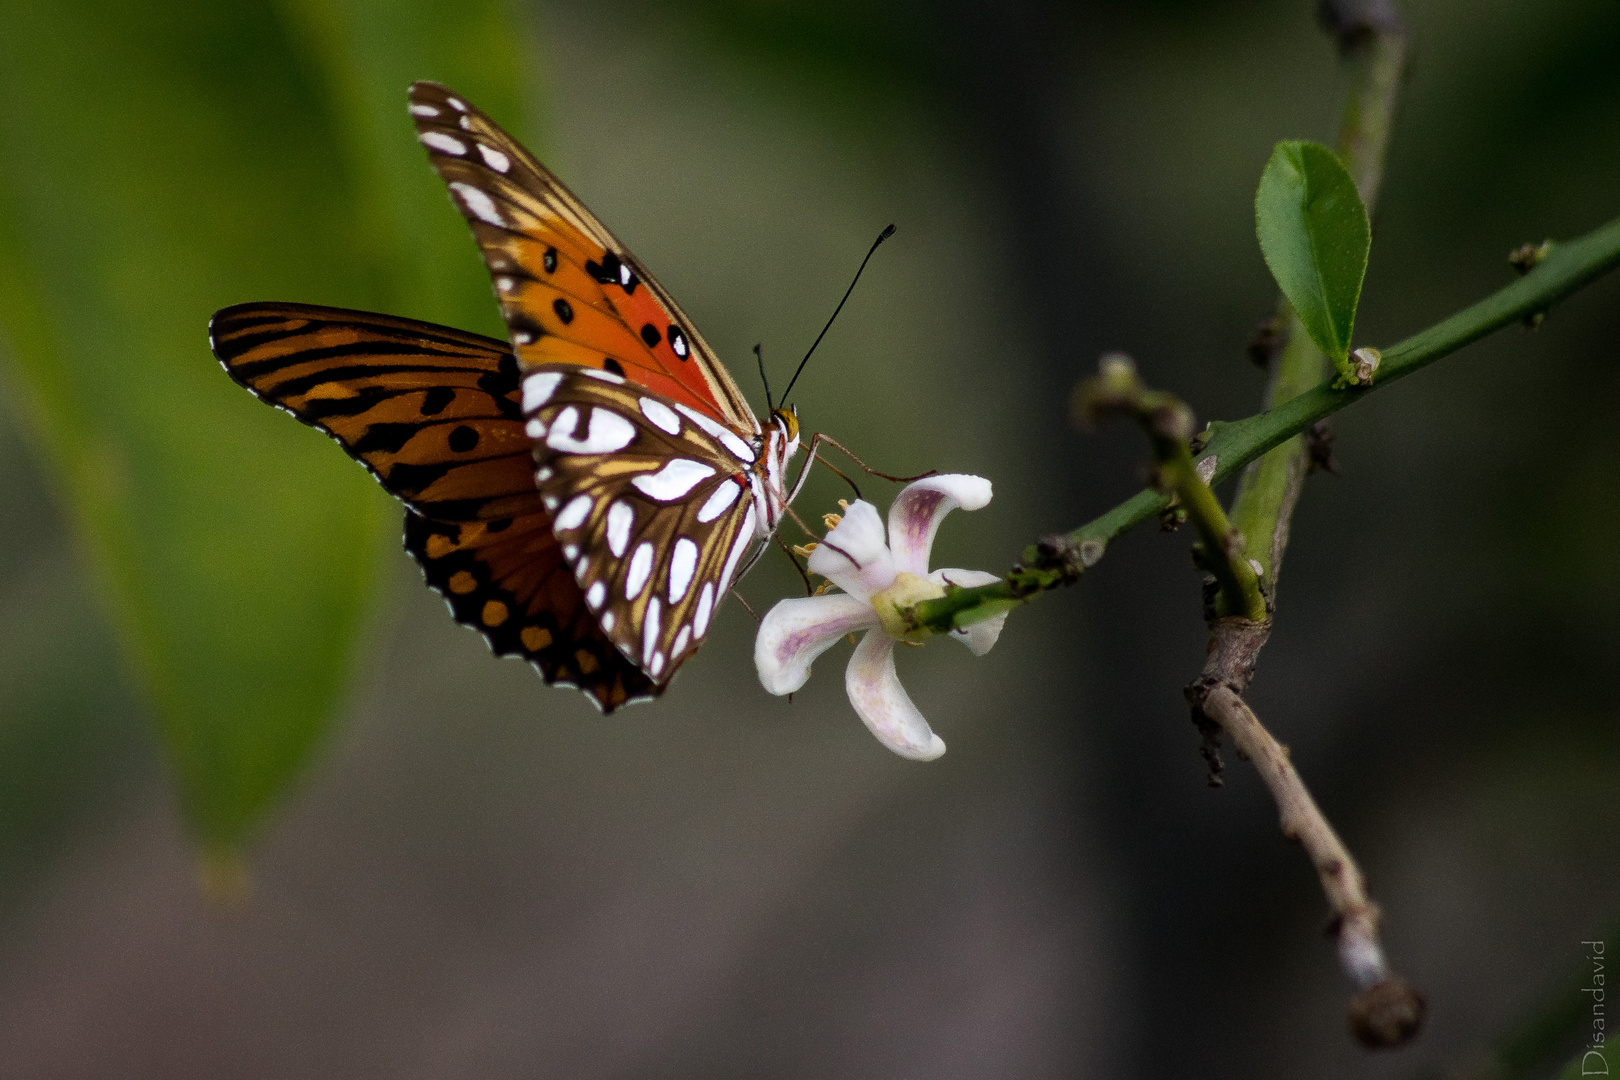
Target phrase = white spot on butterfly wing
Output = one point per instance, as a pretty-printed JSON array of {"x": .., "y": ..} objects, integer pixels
[
  {"x": 745, "y": 537},
  {"x": 649, "y": 634},
  {"x": 551, "y": 502},
  {"x": 478, "y": 203},
  {"x": 574, "y": 514},
  {"x": 522, "y": 337},
  {"x": 608, "y": 618},
  {"x": 456, "y": 104},
  {"x": 535, "y": 429},
  {"x": 424, "y": 110},
  {"x": 582, "y": 570},
  {"x": 661, "y": 415},
  {"x": 680, "y": 641},
  {"x": 620, "y": 517},
  {"x": 604, "y": 375},
  {"x": 719, "y": 502},
  {"x": 682, "y": 565},
  {"x": 445, "y": 144},
  {"x": 594, "y": 597},
  {"x": 727, "y": 437},
  {"x": 570, "y": 552},
  {"x": 674, "y": 480},
  {"x": 606, "y": 433},
  {"x": 538, "y": 388},
  {"x": 635, "y": 579},
  {"x": 705, "y": 608},
  {"x": 657, "y": 663},
  {"x": 494, "y": 158}
]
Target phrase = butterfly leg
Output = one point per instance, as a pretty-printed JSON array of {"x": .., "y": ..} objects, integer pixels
[
  {"x": 847, "y": 452},
  {"x": 746, "y": 605},
  {"x": 809, "y": 588},
  {"x": 804, "y": 474}
]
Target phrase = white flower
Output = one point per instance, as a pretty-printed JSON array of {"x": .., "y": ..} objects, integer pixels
[{"x": 879, "y": 579}]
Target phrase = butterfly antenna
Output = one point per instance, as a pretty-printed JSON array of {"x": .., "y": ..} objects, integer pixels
[
  {"x": 882, "y": 236},
  {"x": 764, "y": 378}
]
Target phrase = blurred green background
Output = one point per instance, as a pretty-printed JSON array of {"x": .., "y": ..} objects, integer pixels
[{"x": 209, "y": 640}]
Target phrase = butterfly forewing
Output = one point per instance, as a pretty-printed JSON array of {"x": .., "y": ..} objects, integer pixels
[
  {"x": 650, "y": 501},
  {"x": 569, "y": 291}
]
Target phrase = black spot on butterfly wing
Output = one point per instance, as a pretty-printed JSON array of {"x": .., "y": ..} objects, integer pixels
[
  {"x": 612, "y": 271},
  {"x": 650, "y": 334},
  {"x": 384, "y": 438},
  {"x": 502, "y": 384},
  {"x": 437, "y": 400},
  {"x": 605, "y": 272},
  {"x": 463, "y": 439}
]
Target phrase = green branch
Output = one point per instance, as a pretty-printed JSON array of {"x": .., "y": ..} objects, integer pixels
[
  {"x": 1118, "y": 391},
  {"x": 1060, "y": 559},
  {"x": 1374, "y": 48}
]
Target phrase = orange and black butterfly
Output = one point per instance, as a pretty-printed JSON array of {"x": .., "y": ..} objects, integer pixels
[{"x": 583, "y": 496}]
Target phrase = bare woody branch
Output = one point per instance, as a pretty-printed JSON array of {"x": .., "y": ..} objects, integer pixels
[{"x": 1386, "y": 1010}]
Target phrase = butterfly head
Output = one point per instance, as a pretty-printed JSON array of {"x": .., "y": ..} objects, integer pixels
[{"x": 787, "y": 422}]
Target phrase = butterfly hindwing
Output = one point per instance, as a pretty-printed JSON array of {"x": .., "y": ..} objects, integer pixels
[
  {"x": 508, "y": 580},
  {"x": 432, "y": 412},
  {"x": 651, "y": 502},
  {"x": 402, "y": 396},
  {"x": 569, "y": 291}
]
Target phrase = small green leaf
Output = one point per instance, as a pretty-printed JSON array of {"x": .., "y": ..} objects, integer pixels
[{"x": 1314, "y": 235}]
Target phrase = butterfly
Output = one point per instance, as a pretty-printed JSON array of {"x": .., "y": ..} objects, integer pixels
[{"x": 584, "y": 495}]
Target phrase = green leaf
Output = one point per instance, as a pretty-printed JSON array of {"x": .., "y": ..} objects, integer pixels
[
  {"x": 162, "y": 161},
  {"x": 1315, "y": 236}
]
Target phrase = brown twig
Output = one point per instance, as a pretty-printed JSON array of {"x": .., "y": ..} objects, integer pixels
[{"x": 1387, "y": 1011}]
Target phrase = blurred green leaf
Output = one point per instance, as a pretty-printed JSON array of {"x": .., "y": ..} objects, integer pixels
[
  {"x": 1315, "y": 236},
  {"x": 162, "y": 161}
]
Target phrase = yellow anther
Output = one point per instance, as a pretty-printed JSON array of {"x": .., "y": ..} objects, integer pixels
[
  {"x": 803, "y": 550},
  {"x": 831, "y": 521}
]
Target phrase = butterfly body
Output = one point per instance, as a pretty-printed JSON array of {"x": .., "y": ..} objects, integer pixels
[{"x": 585, "y": 494}]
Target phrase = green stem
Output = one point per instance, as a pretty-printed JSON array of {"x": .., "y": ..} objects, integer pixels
[
  {"x": 1567, "y": 268},
  {"x": 1222, "y": 550},
  {"x": 1269, "y": 489}
]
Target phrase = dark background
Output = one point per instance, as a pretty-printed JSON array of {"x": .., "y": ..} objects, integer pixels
[{"x": 479, "y": 876}]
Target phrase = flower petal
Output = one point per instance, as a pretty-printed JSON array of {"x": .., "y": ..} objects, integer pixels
[
  {"x": 858, "y": 536},
  {"x": 979, "y": 636},
  {"x": 882, "y": 702},
  {"x": 795, "y": 632},
  {"x": 915, "y": 514}
]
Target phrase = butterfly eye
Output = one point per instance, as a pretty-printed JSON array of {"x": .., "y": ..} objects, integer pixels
[{"x": 789, "y": 422}]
